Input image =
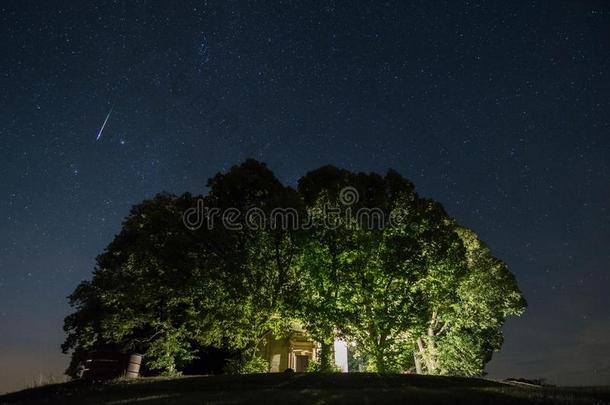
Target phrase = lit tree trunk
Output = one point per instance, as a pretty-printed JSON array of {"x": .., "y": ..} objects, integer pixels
[
  {"x": 426, "y": 347},
  {"x": 327, "y": 356},
  {"x": 379, "y": 359},
  {"x": 431, "y": 352},
  {"x": 417, "y": 362},
  {"x": 424, "y": 356}
]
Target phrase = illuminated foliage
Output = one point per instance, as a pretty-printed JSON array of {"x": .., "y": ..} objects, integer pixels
[{"x": 419, "y": 292}]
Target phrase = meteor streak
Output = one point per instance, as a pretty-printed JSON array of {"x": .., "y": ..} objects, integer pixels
[{"x": 99, "y": 134}]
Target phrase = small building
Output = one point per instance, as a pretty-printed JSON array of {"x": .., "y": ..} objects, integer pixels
[{"x": 296, "y": 350}]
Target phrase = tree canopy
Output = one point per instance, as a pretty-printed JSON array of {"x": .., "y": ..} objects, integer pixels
[{"x": 355, "y": 255}]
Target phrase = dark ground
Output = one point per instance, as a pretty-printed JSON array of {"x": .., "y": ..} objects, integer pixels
[{"x": 310, "y": 388}]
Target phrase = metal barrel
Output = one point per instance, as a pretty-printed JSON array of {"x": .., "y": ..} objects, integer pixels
[{"x": 133, "y": 366}]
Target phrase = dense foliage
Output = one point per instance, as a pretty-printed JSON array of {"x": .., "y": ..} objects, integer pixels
[{"x": 382, "y": 268}]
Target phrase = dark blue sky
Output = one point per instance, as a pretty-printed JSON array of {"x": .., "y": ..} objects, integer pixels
[{"x": 498, "y": 110}]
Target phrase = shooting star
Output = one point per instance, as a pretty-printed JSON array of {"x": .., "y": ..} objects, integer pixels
[{"x": 99, "y": 134}]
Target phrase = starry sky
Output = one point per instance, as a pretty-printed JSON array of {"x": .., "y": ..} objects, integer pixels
[{"x": 500, "y": 110}]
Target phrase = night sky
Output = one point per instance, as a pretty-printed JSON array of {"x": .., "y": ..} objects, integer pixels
[{"x": 499, "y": 110}]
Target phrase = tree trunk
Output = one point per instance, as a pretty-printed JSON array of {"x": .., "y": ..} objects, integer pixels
[
  {"x": 425, "y": 356},
  {"x": 380, "y": 366},
  {"x": 327, "y": 356},
  {"x": 432, "y": 354},
  {"x": 428, "y": 353},
  {"x": 417, "y": 362}
]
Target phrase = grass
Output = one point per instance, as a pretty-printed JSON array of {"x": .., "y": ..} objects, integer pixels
[
  {"x": 46, "y": 379},
  {"x": 310, "y": 388}
]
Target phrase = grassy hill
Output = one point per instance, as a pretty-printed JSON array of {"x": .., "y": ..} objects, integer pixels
[{"x": 310, "y": 388}]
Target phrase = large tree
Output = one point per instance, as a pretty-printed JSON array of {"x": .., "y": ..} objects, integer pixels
[
  {"x": 461, "y": 337},
  {"x": 399, "y": 270},
  {"x": 324, "y": 256},
  {"x": 258, "y": 249},
  {"x": 392, "y": 272},
  {"x": 164, "y": 288},
  {"x": 148, "y": 292},
  {"x": 366, "y": 278},
  {"x": 358, "y": 255}
]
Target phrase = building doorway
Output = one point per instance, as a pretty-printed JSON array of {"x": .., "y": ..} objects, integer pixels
[{"x": 302, "y": 363}]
